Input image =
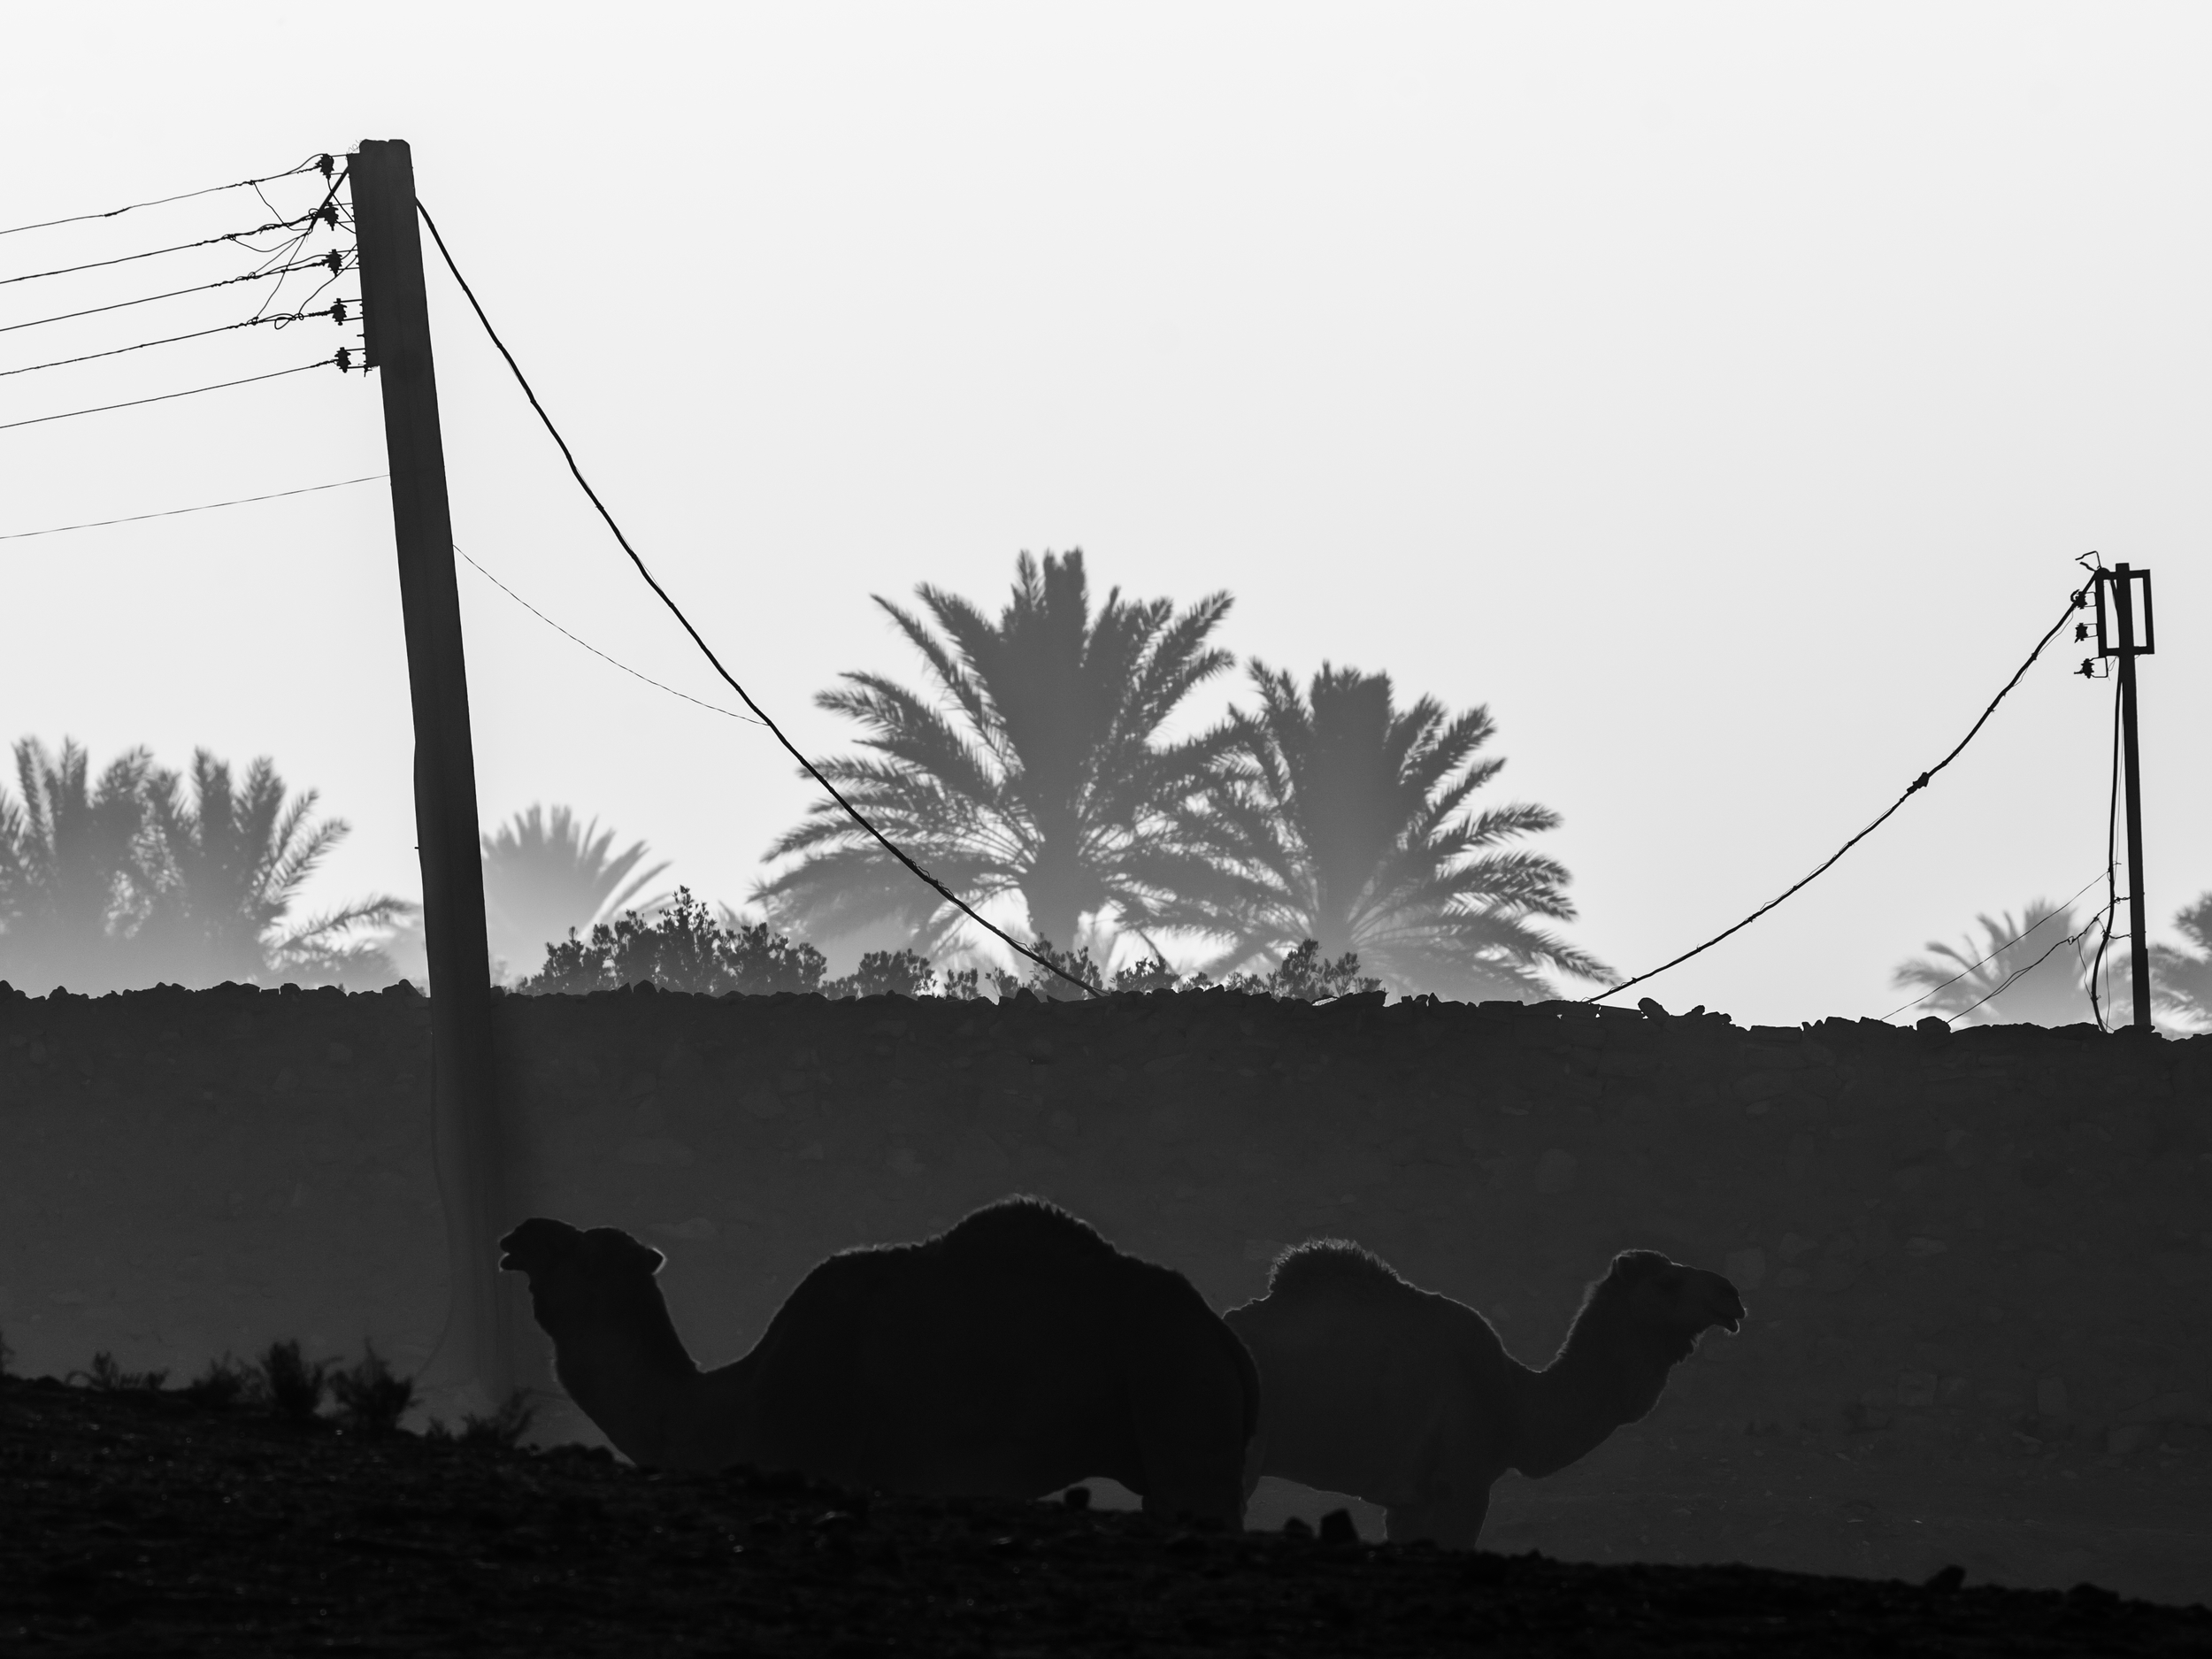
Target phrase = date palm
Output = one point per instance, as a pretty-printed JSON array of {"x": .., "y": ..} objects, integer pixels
[
  {"x": 68, "y": 855},
  {"x": 1034, "y": 769},
  {"x": 1338, "y": 818},
  {"x": 2019, "y": 971},
  {"x": 545, "y": 875},
  {"x": 223, "y": 870}
]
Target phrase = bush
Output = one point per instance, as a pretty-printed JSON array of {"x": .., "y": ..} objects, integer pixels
[
  {"x": 369, "y": 1396},
  {"x": 503, "y": 1427},
  {"x": 224, "y": 1383},
  {"x": 889, "y": 972},
  {"x": 107, "y": 1377},
  {"x": 293, "y": 1385},
  {"x": 681, "y": 949}
]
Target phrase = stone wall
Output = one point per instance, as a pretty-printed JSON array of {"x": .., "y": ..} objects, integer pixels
[{"x": 1972, "y": 1236}]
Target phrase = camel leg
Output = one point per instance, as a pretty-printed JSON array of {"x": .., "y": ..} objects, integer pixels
[{"x": 1451, "y": 1523}]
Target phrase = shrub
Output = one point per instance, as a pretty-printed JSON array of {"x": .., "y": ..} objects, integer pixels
[
  {"x": 503, "y": 1427},
  {"x": 370, "y": 1397},
  {"x": 889, "y": 972},
  {"x": 107, "y": 1377},
  {"x": 224, "y": 1383},
  {"x": 294, "y": 1384},
  {"x": 681, "y": 949}
]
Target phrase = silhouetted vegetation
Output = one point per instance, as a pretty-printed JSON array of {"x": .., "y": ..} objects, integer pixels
[
  {"x": 370, "y": 1396},
  {"x": 1338, "y": 817},
  {"x": 226, "y": 1382},
  {"x": 291, "y": 1384},
  {"x": 545, "y": 877},
  {"x": 681, "y": 949},
  {"x": 1047, "y": 782},
  {"x": 126, "y": 882},
  {"x": 108, "y": 1377},
  {"x": 2022, "y": 971},
  {"x": 886, "y": 972},
  {"x": 2181, "y": 979}
]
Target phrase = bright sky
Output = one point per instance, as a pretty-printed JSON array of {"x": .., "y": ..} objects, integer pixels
[{"x": 1722, "y": 394}]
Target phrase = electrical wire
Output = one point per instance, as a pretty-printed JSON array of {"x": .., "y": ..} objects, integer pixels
[
  {"x": 2011, "y": 977},
  {"x": 812, "y": 771},
  {"x": 171, "y": 512},
  {"x": 714, "y": 708},
  {"x": 2074, "y": 602},
  {"x": 309, "y": 165},
  {"x": 237, "y": 236},
  {"x": 280, "y": 319},
  {"x": 2062, "y": 910},
  {"x": 119, "y": 305},
  {"x": 338, "y": 361}
]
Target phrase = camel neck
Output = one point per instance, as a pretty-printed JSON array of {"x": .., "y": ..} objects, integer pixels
[
  {"x": 1599, "y": 1381},
  {"x": 638, "y": 1384}
]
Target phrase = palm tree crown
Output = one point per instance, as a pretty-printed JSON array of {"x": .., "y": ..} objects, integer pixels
[
  {"x": 2017, "y": 972},
  {"x": 68, "y": 852},
  {"x": 1036, "y": 770},
  {"x": 223, "y": 872},
  {"x": 1338, "y": 817},
  {"x": 542, "y": 879}
]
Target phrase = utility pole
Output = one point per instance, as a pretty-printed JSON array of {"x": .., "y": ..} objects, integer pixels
[
  {"x": 2127, "y": 641},
  {"x": 477, "y": 1344}
]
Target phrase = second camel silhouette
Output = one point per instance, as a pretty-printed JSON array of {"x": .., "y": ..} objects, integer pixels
[
  {"x": 1009, "y": 1357},
  {"x": 1409, "y": 1400}
]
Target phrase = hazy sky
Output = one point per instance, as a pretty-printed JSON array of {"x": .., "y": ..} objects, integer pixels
[{"x": 1721, "y": 394}]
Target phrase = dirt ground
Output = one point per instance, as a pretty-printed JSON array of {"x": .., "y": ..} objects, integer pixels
[{"x": 145, "y": 1523}]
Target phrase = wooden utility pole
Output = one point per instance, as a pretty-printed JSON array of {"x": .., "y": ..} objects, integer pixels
[
  {"x": 2124, "y": 630},
  {"x": 2122, "y": 585},
  {"x": 478, "y": 1345}
]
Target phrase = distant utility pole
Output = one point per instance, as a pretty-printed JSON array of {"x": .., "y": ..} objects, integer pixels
[
  {"x": 396, "y": 323},
  {"x": 2122, "y": 633}
]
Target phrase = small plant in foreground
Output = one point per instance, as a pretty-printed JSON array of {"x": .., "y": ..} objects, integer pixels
[
  {"x": 370, "y": 1396},
  {"x": 503, "y": 1427},
  {"x": 224, "y": 1384},
  {"x": 295, "y": 1384},
  {"x": 107, "y": 1377}
]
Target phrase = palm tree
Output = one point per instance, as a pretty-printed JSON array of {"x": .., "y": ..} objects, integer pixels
[
  {"x": 67, "y": 859},
  {"x": 2181, "y": 980},
  {"x": 1337, "y": 818},
  {"x": 2019, "y": 973},
  {"x": 544, "y": 877},
  {"x": 1036, "y": 771},
  {"x": 222, "y": 874}
]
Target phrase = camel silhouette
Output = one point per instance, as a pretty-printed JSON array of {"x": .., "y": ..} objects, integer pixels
[
  {"x": 1009, "y": 1357},
  {"x": 1408, "y": 1399}
]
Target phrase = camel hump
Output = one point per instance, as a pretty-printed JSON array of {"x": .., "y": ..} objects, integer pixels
[
  {"x": 1014, "y": 1229},
  {"x": 1321, "y": 1266}
]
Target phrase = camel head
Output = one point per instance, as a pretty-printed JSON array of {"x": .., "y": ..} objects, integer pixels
[
  {"x": 1668, "y": 1305},
  {"x": 579, "y": 1279}
]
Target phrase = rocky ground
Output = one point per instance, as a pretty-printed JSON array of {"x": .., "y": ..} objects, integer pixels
[{"x": 146, "y": 1523}]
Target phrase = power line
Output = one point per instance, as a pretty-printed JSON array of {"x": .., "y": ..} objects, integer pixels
[
  {"x": 342, "y": 359},
  {"x": 156, "y": 253},
  {"x": 336, "y": 310},
  {"x": 2074, "y": 602},
  {"x": 251, "y": 276},
  {"x": 2030, "y": 968},
  {"x": 2062, "y": 910},
  {"x": 239, "y": 501},
  {"x": 813, "y": 772},
  {"x": 309, "y": 165},
  {"x": 596, "y": 651}
]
